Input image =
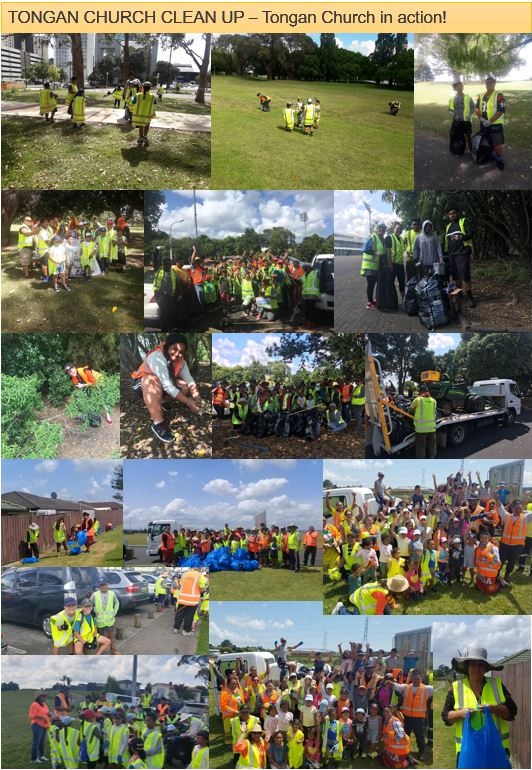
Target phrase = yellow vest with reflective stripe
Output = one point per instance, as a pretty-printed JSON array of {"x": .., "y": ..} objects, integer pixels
[
  {"x": 288, "y": 114},
  {"x": 408, "y": 240},
  {"x": 143, "y": 109},
  {"x": 69, "y": 745},
  {"x": 309, "y": 114},
  {"x": 199, "y": 756},
  {"x": 33, "y": 535},
  {"x": 363, "y": 599},
  {"x": 371, "y": 261},
  {"x": 235, "y": 726},
  {"x": 310, "y": 285},
  {"x": 116, "y": 735},
  {"x": 42, "y": 245},
  {"x": 47, "y": 102},
  {"x": 71, "y": 93},
  {"x": 24, "y": 241},
  {"x": 254, "y": 756},
  {"x": 339, "y": 742},
  {"x": 93, "y": 742},
  {"x": 490, "y": 108},
  {"x": 350, "y": 557},
  {"x": 293, "y": 541},
  {"x": 78, "y": 109},
  {"x": 104, "y": 617},
  {"x": 59, "y": 534},
  {"x": 492, "y": 694},
  {"x": 467, "y": 106},
  {"x": 62, "y": 638},
  {"x": 357, "y": 397},
  {"x": 158, "y": 279},
  {"x": 425, "y": 414},
  {"x": 397, "y": 249},
  {"x": 461, "y": 225},
  {"x": 150, "y": 739},
  {"x": 88, "y": 630}
]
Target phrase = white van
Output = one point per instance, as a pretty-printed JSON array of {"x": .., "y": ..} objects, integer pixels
[
  {"x": 124, "y": 700},
  {"x": 350, "y": 495},
  {"x": 324, "y": 265},
  {"x": 155, "y": 530}
]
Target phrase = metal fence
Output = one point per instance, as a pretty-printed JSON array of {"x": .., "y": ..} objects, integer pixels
[
  {"x": 14, "y": 529},
  {"x": 516, "y": 679}
]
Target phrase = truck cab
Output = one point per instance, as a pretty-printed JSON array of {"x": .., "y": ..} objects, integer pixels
[
  {"x": 324, "y": 265},
  {"x": 502, "y": 393},
  {"x": 350, "y": 495},
  {"x": 155, "y": 530}
]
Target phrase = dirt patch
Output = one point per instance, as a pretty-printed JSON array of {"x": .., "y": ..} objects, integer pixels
[
  {"x": 93, "y": 442},
  {"x": 227, "y": 443},
  {"x": 193, "y": 431},
  {"x": 438, "y": 169}
]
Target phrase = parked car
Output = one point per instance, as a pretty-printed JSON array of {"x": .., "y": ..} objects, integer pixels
[
  {"x": 152, "y": 313},
  {"x": 129, "y": 586},
  {"x": 150, "y": 580},
  {"x": 324, "y": 264},
  {"x": 30, "y": 595}
]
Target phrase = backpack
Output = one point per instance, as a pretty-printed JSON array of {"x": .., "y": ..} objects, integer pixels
[
  {"x": 481, "y": 147},
  {"x": 457, "y": 140},
  {"x": 282, "y": 425},
  {"x": 368, "y": 246}
]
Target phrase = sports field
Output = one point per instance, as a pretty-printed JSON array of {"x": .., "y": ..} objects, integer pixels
[
  {"x": 358, "y": 145},
  {"x": 267, "y": 585}
]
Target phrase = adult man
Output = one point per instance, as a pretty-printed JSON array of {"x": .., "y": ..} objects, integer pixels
[
  {"x": 374, "y": 249},
  {"x": 310, "y": 541},
  {"x": 32, "y": 540},
  {"x": 461, "y": 107},
  {"x": 26, "y": 236},
  {"x": 514, "y": 531},
  {"x": 294, "y": 541},
  {"x": 167, "y": 545},
  {"x": 394, "y": 253},
  {"x": 193, "y": 584},
  {"x": 457, "y": 244},
  {"x": 409, "y": 238},
  {"x": 490, "y": 108},
  {"x": 423, "y": 407},
  {"x": 379, "y": 489},
  {"x": 358, "y": 402},
  {"x": 415, "y": 698},
  {"x": 47, "y": 103},
  {"x": 374, "y": 598},
  {"x": 106, "y": 606},
  {"x": 44, "y": 241},
  {"x": 310, "y": 291}
]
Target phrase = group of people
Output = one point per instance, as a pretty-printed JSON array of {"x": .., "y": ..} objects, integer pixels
[
  {"x": 101, "y": 732},
  {"x": 305, "y": 114},
  {"x": 338, "y": 403},
  {"x": 363, "y": 704},
  {"x": 63, "y": 249},
  {"x": 466, "y": 533},
  {"x": 187, "y": 593},
  {"x": 261, "y": 286},
  {"x": 420, "y": 251},
  {"x": 275, "y": 547},
  {"x": 89, "y": 525},
  {"x": 139, "y": 104},
  {"x": 489, "y": 107}
]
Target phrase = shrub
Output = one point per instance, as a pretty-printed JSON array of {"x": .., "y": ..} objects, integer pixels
[
  {"x": 22, "y": 434},
  {"x": 59, "y": 387},
  {"x": 86, "y": 402}
]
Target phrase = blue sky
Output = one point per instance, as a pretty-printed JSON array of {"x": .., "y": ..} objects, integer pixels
[
  {"x": 243, "y": 349},
  {"x": 249, "y": 623},
  {"x": 88, "y": 480},
  {"x": 501, "y": 635},
  {"x": 406, "y": 472},
  {"x": 39, "y": 673},
  {"x": 230, "y": 212},
  {"x": 364, "y": 44},
  {"x": 193, "y": 492}
]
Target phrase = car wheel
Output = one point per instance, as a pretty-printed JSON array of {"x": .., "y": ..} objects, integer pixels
[{"x": 46, "y": 626}]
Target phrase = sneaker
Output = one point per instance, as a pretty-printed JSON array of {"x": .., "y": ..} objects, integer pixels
[
  {"x": 43, "y": 758},
  {"x": 163, "y": 432},
  {"x": 186, "y": 633},
  {"x": 338, "y": 607},
  {"x": 370, "y": 306},
  {"x": 57, "y": 289},
  {"x": 44, "y": 279},
  {"x": 176, "y": 631},
  {"x": 66, "y": 288},
  {"x": 504, "y": 583},
  {"x": 500, "y": 164},
  {"x": 108, "y": 420},
  {"x": 145, "y": 142}
]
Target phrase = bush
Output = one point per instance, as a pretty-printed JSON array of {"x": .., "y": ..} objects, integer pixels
[
  {"x": 93, "y": 401},
  {"x": 22, "y": 434},
  {"x": 59, "y": 387}
]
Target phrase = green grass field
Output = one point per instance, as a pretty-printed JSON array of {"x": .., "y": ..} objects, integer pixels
[
  {"x": 432, "y": 115},
  {"x": 202, "y": 647},
  {"x": 267, "y": 585},
  {"x": 444, "y": 753},
  {"x": 358, "y": 144},
  {"x": 106, "y": 552},
  {"x": 100, "y": 157},
  {"x": 29, "y": 305},
  {"x": 462, "y": 599},
  {"x": 136, "y": 538}
]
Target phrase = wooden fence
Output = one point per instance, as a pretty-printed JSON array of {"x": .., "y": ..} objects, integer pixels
[
  {"x": 516, "y": 679},
  {"x": 14, "y": 529}
]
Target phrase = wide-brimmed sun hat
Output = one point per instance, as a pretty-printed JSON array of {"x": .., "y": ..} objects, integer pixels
[{"x": 473, "y": 653}]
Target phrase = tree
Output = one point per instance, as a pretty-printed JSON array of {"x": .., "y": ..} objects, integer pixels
[
  {"x": 10, "y": 686},
  {"x": 117, "y": 482},
  {"x": 328, "y": 484},
  {"x": 341, "y": 352},
  {"x": 328, "y": 54},
  {"x": 174, "y": 41},
  {"x": 43, "y": 71},
  {"x": 112, "y": 685},
  {"x": 204, "y": 70},
  {"x": 105, "y": 71},
  {"x": 422, "y": 71},
  {"x": 166, "y": 72},
  {"x": 399, "y": 354},
  {"x": 475, "y": 55}
]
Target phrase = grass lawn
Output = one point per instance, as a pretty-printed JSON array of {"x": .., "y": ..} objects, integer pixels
[
  {"x": 100, "y": 157},
  {"x": 203, "y": 637},
  {"x": 107, "y": 552},
  {"x": 432, "y": 115},
  {"x": 136, "y": 538},
  {"x": 452, "y": 600},
  {"x": 31, "y": 306},
  {"x": 358, "y": 145},
  {"x": 267, "y": 585},
  {"x": 444, "y": 753}
]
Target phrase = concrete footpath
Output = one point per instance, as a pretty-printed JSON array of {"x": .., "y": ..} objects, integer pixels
[{"x": 174, "y": 121}]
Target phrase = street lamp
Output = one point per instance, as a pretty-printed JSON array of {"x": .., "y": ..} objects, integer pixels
[{"x": 177, "y": 222}]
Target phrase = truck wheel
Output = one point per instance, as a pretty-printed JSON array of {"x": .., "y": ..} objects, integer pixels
[
  {"x": 509, "y": 417},
  {"x": 456, "y": 434},
  {"x": 445, "y": 406},
  {"x": 45, "y": 626}
]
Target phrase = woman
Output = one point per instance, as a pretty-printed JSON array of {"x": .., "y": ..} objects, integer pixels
[
  {"x": 396, "y": 741},
  {"x": 40, "y": 722},
  {"x": 60, "y": 535},
  {"x": 252, "y": 749},
  {"x": 164, "y": 376},
  {"x": 475, "y": 691}
]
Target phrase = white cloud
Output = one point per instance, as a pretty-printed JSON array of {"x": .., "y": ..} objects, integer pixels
[
  {"x": 257, "y": 624},
  {"x": 351, "y": 217},
  {"x": 217, "y": 634},
  {"x": 261, "y": 488},
  {"x": 47, "y": 466},
  {"x": 362, "y": 46},
  {"x": 501, "y": 635},
  {"x": 344, "y": 472},
  {"x": 173, "y": 473},
  {"x": 439, "y": 342},
  {"x": 226, "y": 353},
  {"x": 257, "y": 464},
  {"x": 220, "y": 487},
  {"x": 160, "y": 484}
]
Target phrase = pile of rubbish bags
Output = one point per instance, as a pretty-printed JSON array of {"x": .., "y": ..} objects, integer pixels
[{"x": 221, "y": 560}]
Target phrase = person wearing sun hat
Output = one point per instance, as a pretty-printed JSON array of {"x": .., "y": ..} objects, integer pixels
[
  {"x": 475, "y": 691},
  {"x": 251, "y": 748},
  {"x": 374, "y": 598}
]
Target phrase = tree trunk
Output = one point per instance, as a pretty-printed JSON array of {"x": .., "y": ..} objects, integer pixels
[
  {"x": 125, "y": 65},
  {"x": 10, "y": 207},
  {"x": 204, "y": 71},
  {"x": 77, "y": 59}
]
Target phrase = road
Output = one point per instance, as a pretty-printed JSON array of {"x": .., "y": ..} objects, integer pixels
[
  {"x": 154, "y": 637},
  {"x": 512, "y": 442},
  {"x": 351, "y": 314},
  {"x": 140, "y": 558}
]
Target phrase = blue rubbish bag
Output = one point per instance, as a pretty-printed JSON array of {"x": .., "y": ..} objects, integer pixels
[
  {"x": 75, "y": 550},
  {"x": 81, "y": 537},
  {"x": 241, "y": 554},
  {"x": 249, "y": 566},
  {"x": 482, "y": 748},
  {"x": 191, "y": 561},
  {"x": 29, "y": 560}
]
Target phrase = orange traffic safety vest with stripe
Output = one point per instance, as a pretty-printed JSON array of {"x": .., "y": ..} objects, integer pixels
[
  {"x": 219, "y": 396},
  {"x": 346, "y": 394},
  {"x": 415, "y": 703},
  {"x": 86, "y": 375},
  {"x": 162, "y": 710},
  {"x": 63, "y": 709},
  {"x": 514, "y": 530},
  {"x": 145, "y": 369},
  {"x": 268, "y": 700},
  {"x": 190, "y": 590},
  {"x": 197, "y": 275},
  {"x": 229, "y": 705},
  {"x": 485, "y": 562},
  {"x": 393, "y": 743}
]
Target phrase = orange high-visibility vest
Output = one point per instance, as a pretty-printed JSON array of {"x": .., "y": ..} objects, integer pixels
[
  {"x": 485, "y": 562},
  {"x": 514, "y": 530},
  {"x": 145, "y": 369},
  {"x": 229, "y": 706},
  {"x": 86, "y": 375},
  {"x": 346, "y": 393},
  {"x": 394, "y": 745},
  {"x": 197, "y": 275},
  {"x": 190, "y": 590},
  {"x": 415, "y": 703},
  {"x": 219, "y": 396},
  {"x": 163, "y": 710}
]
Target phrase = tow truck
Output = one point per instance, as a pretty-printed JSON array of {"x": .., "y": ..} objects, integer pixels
[{"x": 391, "y": 427}]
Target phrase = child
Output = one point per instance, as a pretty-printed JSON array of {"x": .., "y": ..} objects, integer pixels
[
  {"x": 317, "y": 113},
  {"x": 289, "y": 118},
  {"x": 47, "y": 103},
  {"x": 72, "y": 253},
  {"x": 160, "y": 92},
  {"x": 79, "y": 103},
  {"x": 416, "y": 586},
  {"x": 87, "y": 255},
  {"x": 121, "y": 250},
  {"x": 117, "y": 96},
  {"x": 442, "y": 573},
  {"x": 397, "y": 564},
  {"x": 312, "y": 749},
  {"x": 200, "y": 752},
  {"x": 296, "y": 749},
  {"x": 360, "y": 732},
  {"x": 346, "y": 725},
  {"x": 56, "y": 263},
  {"x": 369, "y": 560},
  {"x": 374, "y": 727},
  {"x": 469, "y": 555},
  {"x": 271, "y": 722},
  {"x": 456, "y": 560},
  {"x": 143, "y": 111},
  {"x": 385, "y": 556},
  {"x": 416, "y": 549},
  {"x": 278, "y": 751},
  {"x": 300, "y": 110},
  {"x": 284, "y": 717},
  {"x": 428, "y": 565}
]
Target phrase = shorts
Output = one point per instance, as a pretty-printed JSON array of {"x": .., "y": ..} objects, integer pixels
[
  {"x": 55, "y": 269},
  {"x": 25, "y": 256},
  {"x": 496, "y": 134},
  {"x": 461, "y": 267},
  {"x": 465, "y": 125}
]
